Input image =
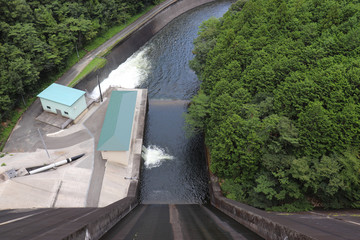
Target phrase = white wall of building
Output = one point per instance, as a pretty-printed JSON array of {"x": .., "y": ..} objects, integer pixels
[
  {"x": 121, "y": 157},
  {"x": 71, "y": 112}
]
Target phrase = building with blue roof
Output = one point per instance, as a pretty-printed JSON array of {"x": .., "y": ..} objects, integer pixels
[
  {"x": 115, "y": 136},
  {"x": 62, "y": 100}
]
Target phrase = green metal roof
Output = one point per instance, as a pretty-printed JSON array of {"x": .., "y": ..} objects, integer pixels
[
  {"x": 116, "y": 130},
  {"x": 61, "y": 94}
]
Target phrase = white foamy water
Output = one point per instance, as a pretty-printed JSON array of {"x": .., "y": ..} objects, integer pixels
[
  {"x": 130, "y": 74},
  {"x": 154, "y": 156}
]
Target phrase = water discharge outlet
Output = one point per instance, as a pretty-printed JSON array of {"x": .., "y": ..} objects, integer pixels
[{"x": 154, "y": 156}]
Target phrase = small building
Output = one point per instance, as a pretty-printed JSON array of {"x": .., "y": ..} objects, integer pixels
[
  {"x": 62, "y": 100},
  {"x": 115, "y": 137}
]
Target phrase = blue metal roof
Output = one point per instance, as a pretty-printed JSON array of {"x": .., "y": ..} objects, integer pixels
[
  {"x": 61, "y": 94},
  {"x": 116, "y": 130}
]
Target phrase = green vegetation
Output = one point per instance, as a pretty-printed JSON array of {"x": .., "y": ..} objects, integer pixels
[
  {"x": 280, "y": 102},
  {"x": 96, "y": 63},
  {"x": 41, "y": 40}
]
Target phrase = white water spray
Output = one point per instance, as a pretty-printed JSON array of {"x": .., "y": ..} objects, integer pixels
[
  {"x": 154, "y": 156},
  {"x": 129, "y": 74}
]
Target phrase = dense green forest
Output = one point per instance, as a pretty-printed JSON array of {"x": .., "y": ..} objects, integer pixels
[
  {"x": 279, "y": 102},
  {"x": 37, "y": 36}
]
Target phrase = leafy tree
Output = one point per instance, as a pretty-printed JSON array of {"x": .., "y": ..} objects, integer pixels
[{"x": 280, "y": 102}]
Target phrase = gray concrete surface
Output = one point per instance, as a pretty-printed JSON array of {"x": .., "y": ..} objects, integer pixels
[
  {"x": 98, "y": 164},
  {"x": 80, "y": 183},
  {"x": 25, "y": 136},
  {"x": 116, "y": 176},
  {"x": 54, "y": 120}
]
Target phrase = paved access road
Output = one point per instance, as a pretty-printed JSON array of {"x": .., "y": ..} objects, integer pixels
[{"x": 33, "y": 224}]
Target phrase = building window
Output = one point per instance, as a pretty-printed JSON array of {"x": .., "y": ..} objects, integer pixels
[
  {"x": 48, "y": 107},
  {"x": 66, "y": 113}
]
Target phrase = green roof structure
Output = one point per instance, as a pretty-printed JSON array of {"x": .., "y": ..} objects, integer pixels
[{"x": 117, "y": 127}]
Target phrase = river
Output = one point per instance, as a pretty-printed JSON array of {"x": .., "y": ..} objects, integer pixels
[
  {"x": 174, "y": 169},
  {"x": 174, "y": 179}
]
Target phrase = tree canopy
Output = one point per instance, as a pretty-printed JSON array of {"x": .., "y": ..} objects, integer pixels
[
  {"x": 279, "y": 102},
  {"x": 37, "y": 36}
]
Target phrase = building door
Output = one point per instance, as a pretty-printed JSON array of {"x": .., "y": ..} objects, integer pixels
[{"x": 58, "y": 112}]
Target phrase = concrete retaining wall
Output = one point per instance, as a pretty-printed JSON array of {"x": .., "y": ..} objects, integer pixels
[
  {"x": 267, "y": 225},
  {"x": 97, "y": 222}
]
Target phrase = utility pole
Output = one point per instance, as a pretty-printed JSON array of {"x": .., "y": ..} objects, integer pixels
[
  {"x": 44, "y": 143},
  {"x": 77, "y": 52},
  {"x": 101, "y": 98},
  {"x": 22, "y": 96}
]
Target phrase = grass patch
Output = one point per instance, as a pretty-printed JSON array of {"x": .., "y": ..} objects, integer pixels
[
  {"x": 73, "y": 59},
  {"x": 95, "y": 64}
]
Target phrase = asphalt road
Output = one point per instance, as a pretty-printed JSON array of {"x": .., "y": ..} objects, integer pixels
[
  {"x": 25, "y": 136},
  {"x": 93, "y": 126},
  {"x": 32, "y": 224}
]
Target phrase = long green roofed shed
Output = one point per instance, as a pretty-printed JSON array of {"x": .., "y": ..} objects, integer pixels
[{"x": 117, "y": 127}]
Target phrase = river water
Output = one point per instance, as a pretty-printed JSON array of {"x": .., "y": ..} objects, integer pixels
[{"x": 174, "y": 169}]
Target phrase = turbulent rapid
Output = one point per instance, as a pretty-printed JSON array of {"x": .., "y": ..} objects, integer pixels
[
  {"x": 153, "y": 156},
  {"x": 130, "y": 74}
]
